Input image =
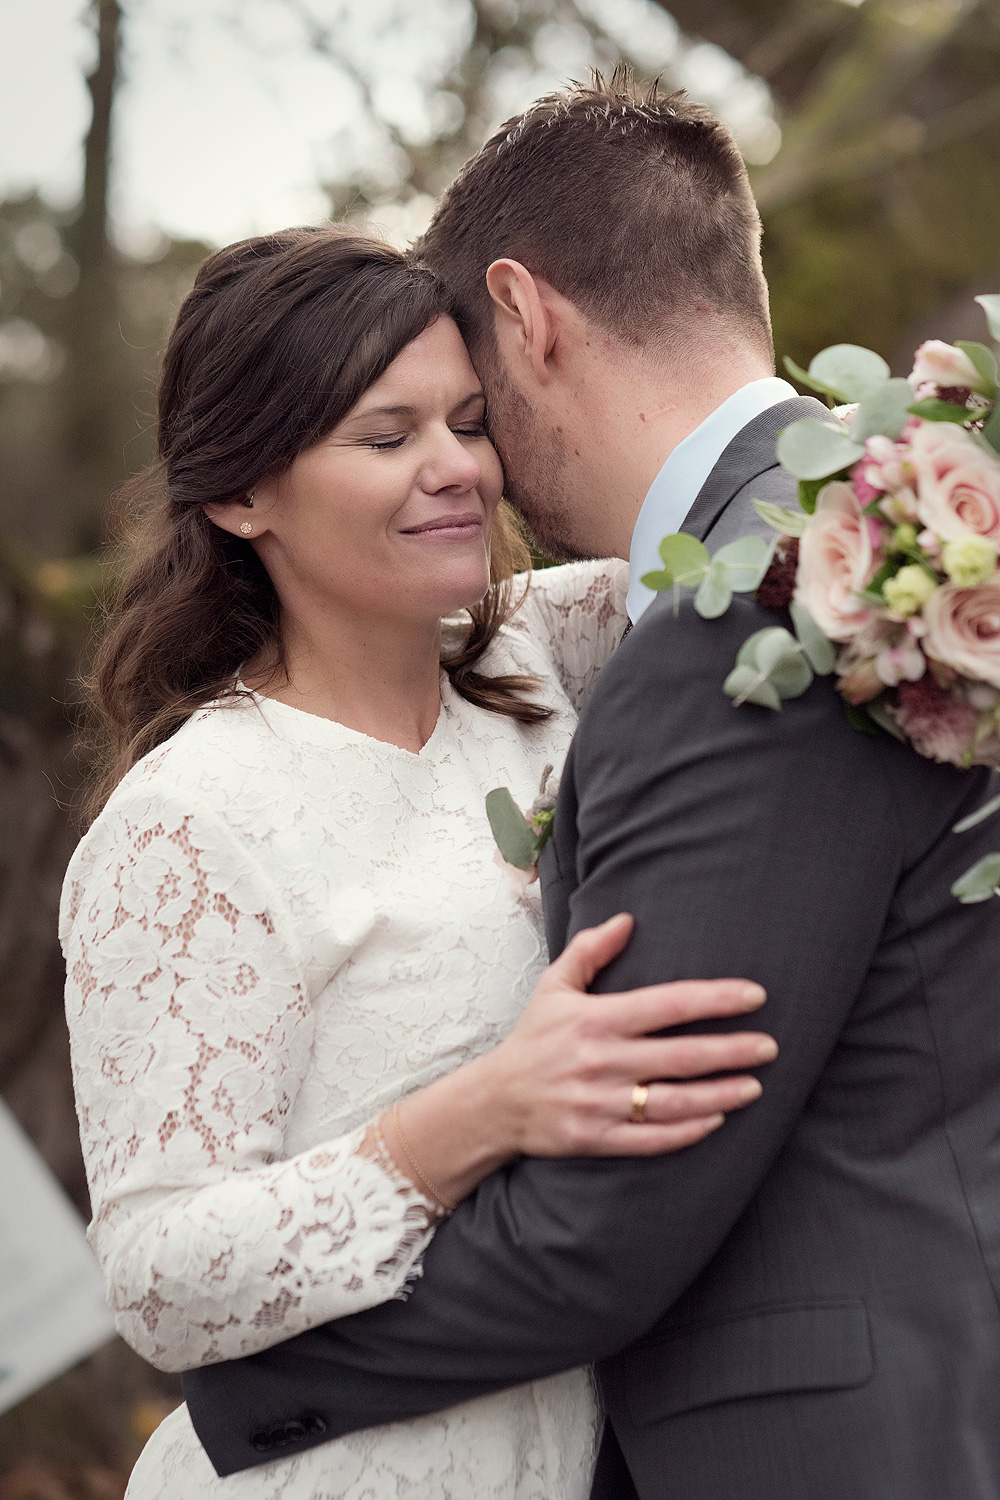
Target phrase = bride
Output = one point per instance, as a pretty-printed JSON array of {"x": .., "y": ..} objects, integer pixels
[{"x": 309, "y": 1012}]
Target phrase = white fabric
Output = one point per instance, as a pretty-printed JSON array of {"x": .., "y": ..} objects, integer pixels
[
  {"x": 676, "y": 486},
  {"x": 277, "y": 927}
]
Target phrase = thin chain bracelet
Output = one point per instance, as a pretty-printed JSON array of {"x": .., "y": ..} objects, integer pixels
[{"x": 421, "y": 1176}]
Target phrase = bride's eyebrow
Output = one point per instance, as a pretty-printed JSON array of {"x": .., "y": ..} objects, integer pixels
[{"x": 374, "y": 412}]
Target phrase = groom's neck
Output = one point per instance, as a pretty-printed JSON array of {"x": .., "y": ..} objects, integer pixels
[{"x": 643, "y": 411}]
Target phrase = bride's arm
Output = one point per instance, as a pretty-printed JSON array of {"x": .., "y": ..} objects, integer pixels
[
  {"x": 190, "y": 1032},
  {"x": 577, "y": 613}
]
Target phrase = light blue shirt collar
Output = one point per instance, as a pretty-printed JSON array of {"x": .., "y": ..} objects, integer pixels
[{"x": 676, "y": 486}]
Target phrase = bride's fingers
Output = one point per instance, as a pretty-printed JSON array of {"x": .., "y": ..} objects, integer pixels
[
  {"x": 695, "y": 1056},
  {"x": 669, "y": 1103},
  {"x": 590, "y": 951},
  {"x": 655, "y": 1006},
  {"x": 656, "y": 1140}
]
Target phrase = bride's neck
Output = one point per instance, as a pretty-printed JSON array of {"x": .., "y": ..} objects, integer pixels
[{"x": 379, "y": 677}]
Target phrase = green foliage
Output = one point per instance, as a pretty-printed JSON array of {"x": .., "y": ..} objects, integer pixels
[
  {"x": 809, "y": 492},
  {"x": 819, "y": 652},
  {"x": 813, "y": 449},
  {"x": 770, "y": 666},
  {"x": 933, "y": 410},
  {"x": 785, "y": 522},
  {"x": 514, "y": 838},
  {"x": 991, "y": 429},
  {"x": 985, "y": 362},
  {"x": 885, "y": 411},
  {"x": 685, "y": 563},
  {"x": 980, "y": 882},
  {"x": 979, "y": 816},
  {"x": 736, "y": 568},
  {"x": 991, "y": 307}
]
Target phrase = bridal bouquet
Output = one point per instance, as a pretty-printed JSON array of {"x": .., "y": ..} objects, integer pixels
[{"x": 889, "y": 568}]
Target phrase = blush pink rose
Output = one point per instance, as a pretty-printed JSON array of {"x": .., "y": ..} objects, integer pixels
[
  {"x": 835, "y": 563},
  {"x": 957, "y": 482},
  {"x": 962, "y": 629}
]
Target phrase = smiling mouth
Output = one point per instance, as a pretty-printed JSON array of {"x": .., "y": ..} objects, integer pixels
[{"x": 448, "y": 526}]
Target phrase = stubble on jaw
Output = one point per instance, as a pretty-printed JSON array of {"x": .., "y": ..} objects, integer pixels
[{"x": 535, "y": 471}]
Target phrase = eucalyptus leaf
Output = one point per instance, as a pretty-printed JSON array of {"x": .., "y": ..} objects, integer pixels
[
  {"x": 746, "y": 561},
  {"x": 933, "y": 410},
  {"x": 746, "y": 685},
  {"x": 782, "y": 658},
  {"x": 820, "y": 653},
  {"x": 979, "y": 816},
  {"x": 659, "y": 582},
  {"x": 990, "y": 305},
  {"x": 775, "y": 657},
  {"x": 852, "y": 372},
  {"x": 804, "y": 378},
  {"x": 981, "y": 882},
  {"x": 715, "y": 593},
  {"x": 885, "y": 412},
  {"x": 812, "y": 449},
  {"x": 514, "y": 838},
  {"x": 785, "y": 522},
  {"x": 985, "y": 362},
  {"x": 685, "y": 558}
]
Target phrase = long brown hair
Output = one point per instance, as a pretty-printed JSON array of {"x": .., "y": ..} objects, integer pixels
[{"x": 279, "y": 337}]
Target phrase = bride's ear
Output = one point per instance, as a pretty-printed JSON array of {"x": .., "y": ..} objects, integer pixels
[
  {"x": 246, "y": 518},
  {"x": 522, "y": 310}
]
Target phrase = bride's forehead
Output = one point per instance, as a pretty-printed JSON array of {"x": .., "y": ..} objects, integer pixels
[{"x": 432, "y": 368}]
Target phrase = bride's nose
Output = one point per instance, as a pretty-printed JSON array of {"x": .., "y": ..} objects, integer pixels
[{"x": 451, "y": 466}]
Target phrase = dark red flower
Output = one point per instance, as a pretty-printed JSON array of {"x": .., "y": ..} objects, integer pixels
[{"x": 778, "y": 584}]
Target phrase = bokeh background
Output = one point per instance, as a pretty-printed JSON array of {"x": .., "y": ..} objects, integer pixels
[{"x": 136, "y": 135}]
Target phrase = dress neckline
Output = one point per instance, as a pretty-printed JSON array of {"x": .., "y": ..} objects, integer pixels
[{"x": 320, "y": 730}]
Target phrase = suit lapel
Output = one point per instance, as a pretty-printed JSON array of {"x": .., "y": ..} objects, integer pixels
[{"x": 750, "y": 453}]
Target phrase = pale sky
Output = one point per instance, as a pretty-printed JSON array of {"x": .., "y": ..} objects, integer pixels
[{"x": 228, "y": 123}]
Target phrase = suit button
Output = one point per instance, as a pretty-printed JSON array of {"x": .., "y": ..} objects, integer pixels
[
  {"x": 315, "y": 1424},
  {"x": 294, "y": 1432},
  {"x": 262, "y": 1441}
]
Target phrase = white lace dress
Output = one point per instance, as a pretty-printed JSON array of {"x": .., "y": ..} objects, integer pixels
[{"x": 277, "y": 927}]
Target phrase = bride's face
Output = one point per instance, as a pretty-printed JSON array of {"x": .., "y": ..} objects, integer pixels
[{"x": 390, "y": 514}]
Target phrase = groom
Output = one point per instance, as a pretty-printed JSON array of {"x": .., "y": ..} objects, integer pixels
[{"x": 805, "y": 1305}]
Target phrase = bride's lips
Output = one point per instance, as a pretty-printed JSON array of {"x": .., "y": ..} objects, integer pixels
[{"x": 448, "y": 528}]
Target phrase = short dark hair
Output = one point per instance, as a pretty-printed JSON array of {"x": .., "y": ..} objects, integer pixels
[{"x": 632, "y": 203}]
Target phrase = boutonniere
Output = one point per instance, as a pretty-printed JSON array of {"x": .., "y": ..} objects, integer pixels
[{"x": 521, "y": 836}]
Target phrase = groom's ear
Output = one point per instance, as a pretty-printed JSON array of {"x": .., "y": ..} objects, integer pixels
[{"x": 522, "y": 309}]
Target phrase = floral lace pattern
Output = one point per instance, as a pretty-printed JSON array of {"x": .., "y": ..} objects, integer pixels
[{"x": 276, "y": 928}]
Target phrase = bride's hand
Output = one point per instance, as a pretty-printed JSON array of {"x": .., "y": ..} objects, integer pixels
[
  {"x": 563, "y": 1082},
  {"x": 565, "y": 1076}
]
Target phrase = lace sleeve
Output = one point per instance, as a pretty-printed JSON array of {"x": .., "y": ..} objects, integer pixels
[
  {"x": 190, "y": 1032},
  {"x": 578, "y": 611}
]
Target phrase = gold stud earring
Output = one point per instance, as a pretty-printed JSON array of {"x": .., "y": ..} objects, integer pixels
[{"x": 246, "y": 527}]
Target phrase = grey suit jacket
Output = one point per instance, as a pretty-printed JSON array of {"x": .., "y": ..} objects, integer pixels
[{"x": 805, "y": 1305}]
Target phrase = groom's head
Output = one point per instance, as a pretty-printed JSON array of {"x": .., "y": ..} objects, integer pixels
[{"x": 604, "y": 232}]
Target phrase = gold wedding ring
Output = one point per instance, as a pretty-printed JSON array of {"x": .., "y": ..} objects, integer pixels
[{"x": 637, "y": 1114}]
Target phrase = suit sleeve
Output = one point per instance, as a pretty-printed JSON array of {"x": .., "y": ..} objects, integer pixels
[{"x": 745, "y": 842}]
